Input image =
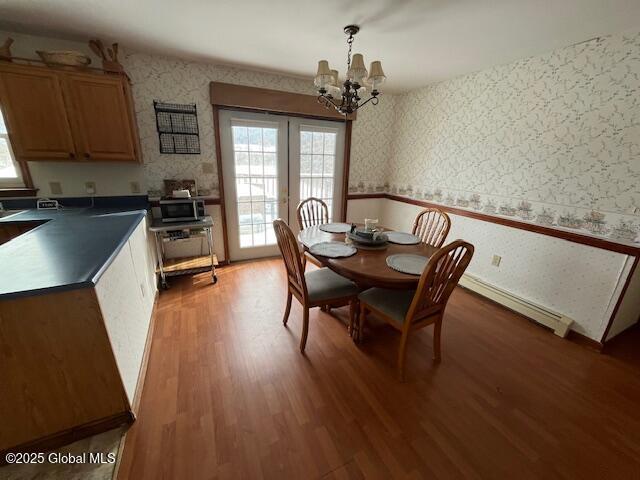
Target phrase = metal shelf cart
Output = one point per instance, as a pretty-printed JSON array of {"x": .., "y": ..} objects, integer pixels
[{"x": 189, "y": 265}]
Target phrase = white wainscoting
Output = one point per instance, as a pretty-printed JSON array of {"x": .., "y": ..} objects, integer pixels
[
  {"x": 126, "y": 293},
  {"x": 577, "y": 281}
]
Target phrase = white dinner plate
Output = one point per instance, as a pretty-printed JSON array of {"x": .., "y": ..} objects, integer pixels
[
  {"x": 407, "y": 263},
  {"x": 333, "y": 249}
]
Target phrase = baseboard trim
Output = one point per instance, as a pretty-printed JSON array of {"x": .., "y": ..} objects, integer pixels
[
  {"x": 71, "y": 435},
  {"x": 142, "y": 375},
  {"x": 557, "y": 322}
]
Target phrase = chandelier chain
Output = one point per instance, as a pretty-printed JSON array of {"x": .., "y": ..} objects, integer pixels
[{"x": 350, "y": 43}]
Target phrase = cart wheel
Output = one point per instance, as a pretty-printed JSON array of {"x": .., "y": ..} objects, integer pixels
[{"x": 214, "y": 279}]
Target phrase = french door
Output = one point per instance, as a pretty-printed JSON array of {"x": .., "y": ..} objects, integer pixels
[{"x": 270, "y": 163}]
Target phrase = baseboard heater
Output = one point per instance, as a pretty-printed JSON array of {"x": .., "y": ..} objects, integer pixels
[{"x": 555, "y": 321}]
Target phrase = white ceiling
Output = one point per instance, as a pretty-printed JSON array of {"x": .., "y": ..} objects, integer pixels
[{"x": 418, "y": 41}]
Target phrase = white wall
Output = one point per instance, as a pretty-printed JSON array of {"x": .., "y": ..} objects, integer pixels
[
  {"x": 577, "y": 281},
  {"x": 629, "y": 312},
  {"x": 358, "y": 210}
]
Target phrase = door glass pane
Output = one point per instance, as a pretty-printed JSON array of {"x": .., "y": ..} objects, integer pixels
[
  {"x": 255, "y": 167},
  {"x": 317, "y": 165},
  {"x": 255, "y": 153}
]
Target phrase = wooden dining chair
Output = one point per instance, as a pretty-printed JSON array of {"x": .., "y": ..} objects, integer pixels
[
  {"x": 312, "y": 211},
  {"x": 432, "y": 226},
  {"x": 315, "y": 288},
  {"x": 411, "y": 310}
]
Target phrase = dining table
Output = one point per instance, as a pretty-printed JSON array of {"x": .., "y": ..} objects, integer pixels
[{"x": 368, "y": 267}]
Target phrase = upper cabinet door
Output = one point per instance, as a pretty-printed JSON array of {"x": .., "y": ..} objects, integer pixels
[
  {"x": 34, "y": 107},
  {"x": 102, "y": 122}
]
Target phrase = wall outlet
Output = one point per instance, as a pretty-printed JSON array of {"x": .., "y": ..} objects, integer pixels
[
  {"x": 135, "y": 187},
  {"x": 90, "y": 187},
  {"x": 495, "y": 261},
  {"x": 56, "y": 188}
]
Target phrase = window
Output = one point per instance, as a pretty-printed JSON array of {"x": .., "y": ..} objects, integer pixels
[
  {"x": 10, "y": 174},
  {"x": 317, "y": 165}
]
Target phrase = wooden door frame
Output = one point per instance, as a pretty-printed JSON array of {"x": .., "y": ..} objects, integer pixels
[{"x": 228, "y": 96}]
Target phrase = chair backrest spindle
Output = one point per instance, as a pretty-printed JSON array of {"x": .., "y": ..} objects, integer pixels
[
  {"x": 312, "y": 211},
  {"x": 440, "y": 277},
  {"x": 432, "y": 226},
  {"x": 291, "y": 256}
]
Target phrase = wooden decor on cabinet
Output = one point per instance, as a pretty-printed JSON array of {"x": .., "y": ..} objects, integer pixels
[{"x": 57, "y": 114}]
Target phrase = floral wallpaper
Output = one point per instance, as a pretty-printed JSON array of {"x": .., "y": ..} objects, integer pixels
[
  {"x": 553, "y": 139},
  {"x": 168, "y": 79}
]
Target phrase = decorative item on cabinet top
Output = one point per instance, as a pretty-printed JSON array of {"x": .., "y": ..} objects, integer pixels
[
  {"x": 66, "y": 58},
  {"x": 177, "y": 126},
  {"x": 5, "y": 49},
  {"x": 110, "y": 63}
]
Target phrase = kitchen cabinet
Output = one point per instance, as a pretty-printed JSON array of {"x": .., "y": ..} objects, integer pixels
[
  {"x": 33, "y": 105},
  {"x": 56, "y": 114},
  {"x": 102, "y": 126}
]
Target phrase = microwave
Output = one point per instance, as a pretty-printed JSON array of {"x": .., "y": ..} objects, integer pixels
[{"x": 181, "y": 209}]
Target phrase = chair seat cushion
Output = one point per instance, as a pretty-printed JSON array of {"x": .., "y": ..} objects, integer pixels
[
  {"x": 393, "y": 303},
  {"x": 325, "y": 284}
]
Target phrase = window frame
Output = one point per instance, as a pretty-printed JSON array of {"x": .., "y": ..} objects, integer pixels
[{"x": 22, "y": 184}]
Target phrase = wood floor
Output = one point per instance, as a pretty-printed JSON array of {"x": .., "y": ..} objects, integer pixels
[{"x": 228, "y": 394}]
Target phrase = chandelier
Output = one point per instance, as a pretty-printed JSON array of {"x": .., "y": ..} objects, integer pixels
[{"x": 346, "y": 98}]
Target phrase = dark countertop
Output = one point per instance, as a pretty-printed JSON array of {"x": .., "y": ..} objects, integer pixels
[{"x": 71, "y": 250}]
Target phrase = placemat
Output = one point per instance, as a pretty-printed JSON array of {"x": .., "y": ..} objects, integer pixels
[
  {"x": 333, "y": 249},
  {"x": 402, "y": 238},
  {"x": 335, "y": 227},
  {"x": 407, "y": 263}
]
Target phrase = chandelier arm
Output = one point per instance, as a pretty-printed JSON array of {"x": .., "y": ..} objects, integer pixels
[
  {"x": 373, "y": 99},
  {"x": 327, "y": 102}
]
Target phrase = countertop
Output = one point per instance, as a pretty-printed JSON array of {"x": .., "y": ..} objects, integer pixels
[{"x": 71, "y": 250}]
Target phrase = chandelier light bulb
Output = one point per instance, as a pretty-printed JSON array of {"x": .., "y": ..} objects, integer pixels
[
  {"x": 376, "y": 75},
  {"x": 323, "y": 76},
  {"x": 357, "y": 71}
]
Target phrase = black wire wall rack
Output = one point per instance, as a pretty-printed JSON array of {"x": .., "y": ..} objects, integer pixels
[{"x": 177, "y": 126}]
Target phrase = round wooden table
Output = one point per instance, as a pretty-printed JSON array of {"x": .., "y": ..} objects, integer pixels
[{"x": 368, "y": 267}]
